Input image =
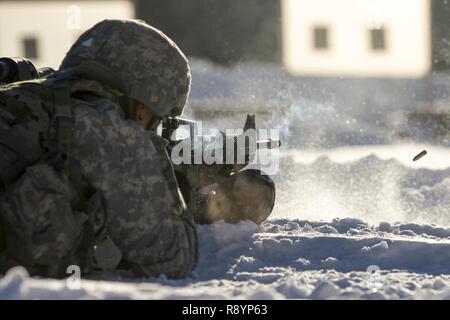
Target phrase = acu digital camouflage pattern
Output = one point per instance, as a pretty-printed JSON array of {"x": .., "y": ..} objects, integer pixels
[
  {"x": 133, "y": 199},
  {"x": 151, "y": 67},
  {"x": 40, "y": 226},
  {"x": 145, "y": 214},
  {"x": 132, "y": 206}
]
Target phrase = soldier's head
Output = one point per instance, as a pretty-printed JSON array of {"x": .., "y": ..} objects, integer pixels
[
  {"x": 246, "y": 195},
  {"x": 148, "y": 67}
]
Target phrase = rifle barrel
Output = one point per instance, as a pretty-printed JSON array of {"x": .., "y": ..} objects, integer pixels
[{"x": 268, "y": 144}]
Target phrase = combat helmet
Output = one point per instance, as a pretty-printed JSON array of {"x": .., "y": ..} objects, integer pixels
[{"x": 150, "y": 66}]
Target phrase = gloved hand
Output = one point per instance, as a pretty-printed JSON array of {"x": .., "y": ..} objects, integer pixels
[{"x": 245, "y": 195}]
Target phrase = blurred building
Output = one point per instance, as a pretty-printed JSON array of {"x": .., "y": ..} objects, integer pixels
[
  {"x": 44, "y": 30},
  {"x": 440, "y": 31},
  {"x": 366, "y": 38},
  {"x": 382, "y": 38},
  {"x": 369, "y": 38}
]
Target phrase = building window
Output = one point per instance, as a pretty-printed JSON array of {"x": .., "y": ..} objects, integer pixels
[
  {"x": 30, "y": 48},
  {"x": 320, "y": 36},
  {"x": 378, "y": 39}
]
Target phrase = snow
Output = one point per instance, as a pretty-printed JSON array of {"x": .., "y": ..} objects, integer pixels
[
  {"x": 283, "y": 259},
  {"x": 402, "y": 255},
  {"x": 403, "y": 153},
  {"x": 355, "y": 217},
  {"x": 323, "y": 185},
  {"x": 359, "y": 222}
]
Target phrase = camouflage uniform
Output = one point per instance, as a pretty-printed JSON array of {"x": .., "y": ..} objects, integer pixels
[{"x": 126, "y": 206}]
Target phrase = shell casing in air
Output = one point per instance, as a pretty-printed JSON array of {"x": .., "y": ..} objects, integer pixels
[{"x": 420, "y": 155}]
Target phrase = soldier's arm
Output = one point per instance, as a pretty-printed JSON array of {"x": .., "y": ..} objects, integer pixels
[{"x": 146, "y": 217}]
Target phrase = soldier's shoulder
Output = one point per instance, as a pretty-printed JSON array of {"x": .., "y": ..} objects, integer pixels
[
  {"x": 26, "y": 94},
  {"x": 31, "y": 87},
  {"x": 99, "y": 107}
]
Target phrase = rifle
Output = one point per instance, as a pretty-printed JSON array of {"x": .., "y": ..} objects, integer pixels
[
  {"x": 171, "y": 124},
  {"x": 232, "y": 154}
]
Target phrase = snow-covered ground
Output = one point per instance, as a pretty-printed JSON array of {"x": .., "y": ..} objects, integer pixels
[
  {"x": 355, "y": 217},
  {"x": 356, "y": 226},
  {"x": 372, "y": 183},
  {"x": 285, "y": 259}
]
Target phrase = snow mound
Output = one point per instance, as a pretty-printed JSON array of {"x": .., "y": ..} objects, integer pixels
[
  {"x": 368, "y": 188},
  {"x": 368, "y": 229},
  {"x": 341, "y": 259}
]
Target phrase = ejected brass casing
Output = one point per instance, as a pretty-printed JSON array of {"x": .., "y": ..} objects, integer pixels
[{"x": 420, "y": 155}]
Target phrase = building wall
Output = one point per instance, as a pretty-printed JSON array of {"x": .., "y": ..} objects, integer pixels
[
  {"x": 441, "y": 35},
  {"x": 51, "y": 27},
  {"x": 348, "y": 46}
]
